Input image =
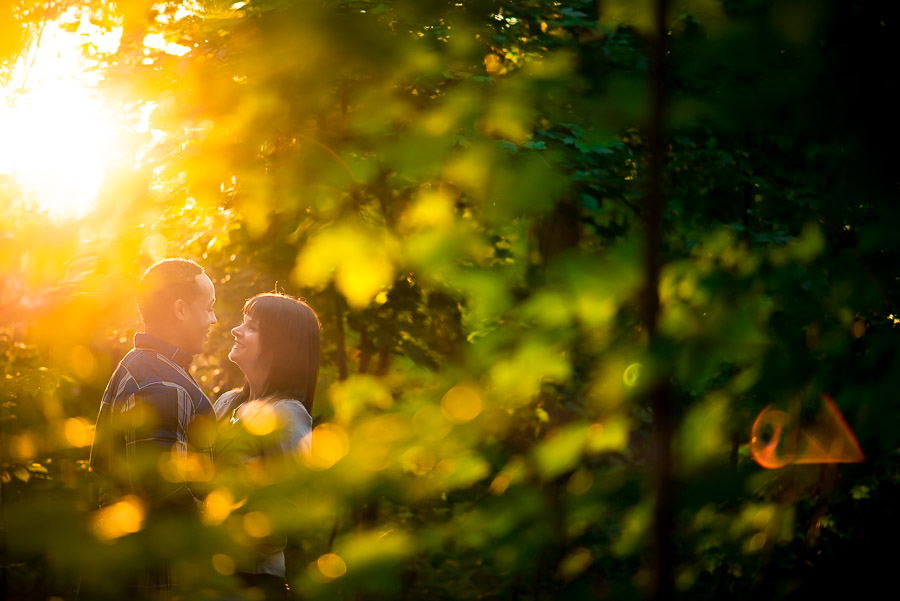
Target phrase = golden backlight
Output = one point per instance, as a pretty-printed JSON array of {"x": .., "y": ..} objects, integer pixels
[{"x": 57, "y": 139}]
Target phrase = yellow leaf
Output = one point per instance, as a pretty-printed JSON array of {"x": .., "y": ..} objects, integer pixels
[
  {"x": 433, "y": 209},
  {"x": 574, "y": 563},
  {"x": 612, "y": 435},
  {"x": 360, "y": 258},
  {"x": 562, "y": 450}
]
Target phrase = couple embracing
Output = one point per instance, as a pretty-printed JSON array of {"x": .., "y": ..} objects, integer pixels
[{"x": 154, "y": 413}]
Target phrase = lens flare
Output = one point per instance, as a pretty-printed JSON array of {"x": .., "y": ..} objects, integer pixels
[{"x": 774, "y": 444}]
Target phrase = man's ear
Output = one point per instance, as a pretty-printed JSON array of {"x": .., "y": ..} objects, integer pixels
[{"x": 180, "y": 308}]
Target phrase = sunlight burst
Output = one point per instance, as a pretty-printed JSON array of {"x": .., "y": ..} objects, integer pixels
[{"x": 57, "y": 140}]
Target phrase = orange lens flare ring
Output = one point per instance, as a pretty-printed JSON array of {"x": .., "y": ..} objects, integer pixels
[{"x": 828, "y": 440}]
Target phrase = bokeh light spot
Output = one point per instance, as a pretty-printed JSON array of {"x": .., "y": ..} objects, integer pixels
[
  {"x": 331, "y": 565},
  {"x": 119, "y": 519},
  {"x": 257, "y": 524},
  {"x": 157, "y": 247},
  {"x": 499, "y": 484},
  {"x": 23, "y": 446},
  {"x": 223, "y": 564},
  {"x": 462, "y": 403},
  {"x": 79, "y": 432},
  {"x": 218, "y": 505},
  {"x": 259, "y": 418},
  {"x": 580, "y": 482},
  {"x": 763, "y": 516},
  {"x": 329, "y": 445},
  {"x": 430, "y": 424},
  {"x": 757, "y": 542},
  {"x": 575, "y": 563},
  {"x": 82, "y": 362}
]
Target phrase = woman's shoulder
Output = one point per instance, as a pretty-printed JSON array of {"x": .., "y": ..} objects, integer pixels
[
  {"x": 224, "y": 403},
  {"x": 293, "y": 409}
]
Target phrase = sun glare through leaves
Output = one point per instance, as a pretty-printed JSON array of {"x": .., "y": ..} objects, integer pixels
[{"x": 58, "y": 139}]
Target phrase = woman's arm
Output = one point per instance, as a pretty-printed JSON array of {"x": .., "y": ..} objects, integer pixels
[{"x": 296, "y": 428}]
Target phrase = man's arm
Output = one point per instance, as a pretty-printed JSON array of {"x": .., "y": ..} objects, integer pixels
[
  {"x": 107, "y": 446},
  {"x": 156, "y": 419}
]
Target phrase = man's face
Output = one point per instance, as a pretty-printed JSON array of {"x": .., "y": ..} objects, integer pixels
[{"x": 197, "y": 316}]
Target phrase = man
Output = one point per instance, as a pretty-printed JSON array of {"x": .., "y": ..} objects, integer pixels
[{"x": 154, "y": 419}]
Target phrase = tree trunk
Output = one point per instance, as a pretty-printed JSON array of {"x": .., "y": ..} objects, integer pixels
[
  {"x": 341, "y": 352},
  {"x": 661, "y": 399}
]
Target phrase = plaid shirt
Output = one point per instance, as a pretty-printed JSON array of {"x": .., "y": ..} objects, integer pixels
[{"x": 151, "y": 406}]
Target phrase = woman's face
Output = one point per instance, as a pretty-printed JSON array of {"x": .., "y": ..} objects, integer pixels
[{"x": 246, "y": 349}]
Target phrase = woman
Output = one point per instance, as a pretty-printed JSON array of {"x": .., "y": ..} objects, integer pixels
[{"x": 267, "y": 423}]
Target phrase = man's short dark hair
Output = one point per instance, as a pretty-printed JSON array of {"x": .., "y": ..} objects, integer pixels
[{"x": 163, "y": 283}]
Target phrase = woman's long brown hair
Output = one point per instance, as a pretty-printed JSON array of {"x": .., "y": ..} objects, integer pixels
[{"x": 290, "y": 338}]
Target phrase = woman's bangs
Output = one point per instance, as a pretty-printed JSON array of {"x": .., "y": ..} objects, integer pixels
[{"x": 254, "y": 308}]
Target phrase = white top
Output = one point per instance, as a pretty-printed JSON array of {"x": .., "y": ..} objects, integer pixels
[{"x": 295, "y": 428}]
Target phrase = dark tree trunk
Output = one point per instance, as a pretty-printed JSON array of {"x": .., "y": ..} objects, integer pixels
[
  {"x": 364, "y": 351},
  {"x": 341, "y": 351},
  {"x": 661, "y": 399}
]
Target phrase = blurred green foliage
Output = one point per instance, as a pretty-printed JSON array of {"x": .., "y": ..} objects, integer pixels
[{"x": 456, "y": 188}]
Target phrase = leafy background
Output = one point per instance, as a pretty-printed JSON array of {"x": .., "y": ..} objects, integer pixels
[{"x": 539, "y": 260}]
